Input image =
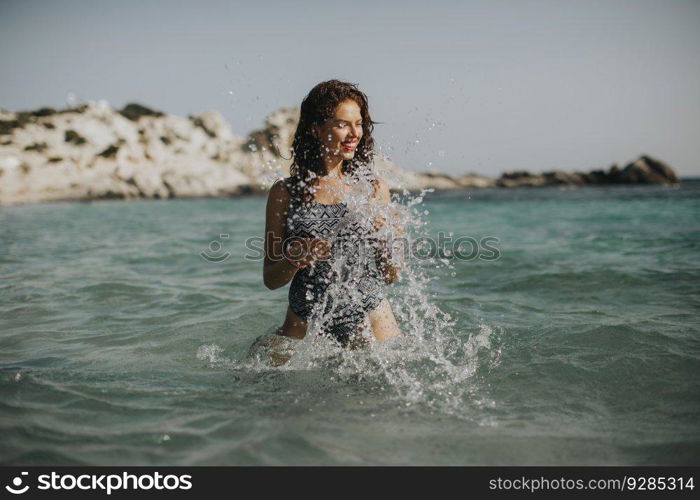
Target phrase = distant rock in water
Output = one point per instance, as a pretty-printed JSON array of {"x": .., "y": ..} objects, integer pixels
[
  {"x": 644, "y": 170},
  {"x": 96, "y": 152}
]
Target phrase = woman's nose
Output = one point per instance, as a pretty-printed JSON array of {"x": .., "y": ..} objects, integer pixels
[{"x": 355, "y": 131}]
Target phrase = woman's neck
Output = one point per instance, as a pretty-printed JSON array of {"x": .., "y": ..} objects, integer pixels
[{"x": 335, "y": 171}]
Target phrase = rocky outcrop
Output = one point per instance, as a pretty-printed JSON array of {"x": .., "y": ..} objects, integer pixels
[
  {"x": 95, "y": 152},
  {"x": 398, "y": 179},
  {"x": 643, "y": 170}
]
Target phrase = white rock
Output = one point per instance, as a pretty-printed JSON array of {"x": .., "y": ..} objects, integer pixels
[
  {"x": 9, "y": 162},
  {"x": 213, "y": 122}
]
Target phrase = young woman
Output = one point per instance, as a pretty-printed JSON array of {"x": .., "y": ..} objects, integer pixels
[{"x": 331, "y": 196}]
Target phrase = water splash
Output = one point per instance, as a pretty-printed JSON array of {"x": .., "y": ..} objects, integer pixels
[
  {"x": 432, "y": 364},
  {"x": 212, "y": 354}
]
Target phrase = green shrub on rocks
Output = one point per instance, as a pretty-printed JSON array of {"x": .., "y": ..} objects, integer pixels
[
  {"x": 134, "y": 111},
  {"x": 110, "y": 152},
  {"x": 37, "y": 146},
  {"x": 74, "y": 137}
]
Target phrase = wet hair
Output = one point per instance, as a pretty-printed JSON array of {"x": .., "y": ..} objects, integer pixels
[{"x": 307, "y": 155}]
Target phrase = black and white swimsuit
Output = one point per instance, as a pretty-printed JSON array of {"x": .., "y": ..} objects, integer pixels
[{"x": 341, "y": 291}]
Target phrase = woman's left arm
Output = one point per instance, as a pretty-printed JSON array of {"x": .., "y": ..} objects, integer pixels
[{"x": 383, "y": 251}]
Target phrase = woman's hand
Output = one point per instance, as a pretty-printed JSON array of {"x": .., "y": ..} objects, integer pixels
[
  {"x": 388, "y": 268},
  {"x": 396, "y": 228},
  {"x": 384, "y": 242},
  {"x": 378, "y": 223}
]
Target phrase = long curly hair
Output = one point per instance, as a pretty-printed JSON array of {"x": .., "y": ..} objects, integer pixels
[{"x": 307, "y": 157}]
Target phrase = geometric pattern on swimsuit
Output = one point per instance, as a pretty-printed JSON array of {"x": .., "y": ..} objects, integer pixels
[{"x": 351, "y": 273}]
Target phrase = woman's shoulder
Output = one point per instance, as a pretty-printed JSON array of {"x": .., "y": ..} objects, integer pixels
[
  {"x": 368, "y": 173},
  {"x": 282, "y": 186},
  {"x": 279, "y": 193},
  {"x": 381, "y": 189},
  {"x": 381, "y": 182}
]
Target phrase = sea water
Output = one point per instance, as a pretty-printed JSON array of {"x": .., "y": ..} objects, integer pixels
[{"x": 125, "y": 327}]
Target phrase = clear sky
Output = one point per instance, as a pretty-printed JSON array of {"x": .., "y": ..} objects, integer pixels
[{"x": 464, "y": 86}]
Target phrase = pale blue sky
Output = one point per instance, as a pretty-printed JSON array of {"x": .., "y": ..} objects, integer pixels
[{"x": 480, "y": 86}]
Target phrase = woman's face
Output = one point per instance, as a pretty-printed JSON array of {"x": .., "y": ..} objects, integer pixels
[{"x": 340, "y": 134}]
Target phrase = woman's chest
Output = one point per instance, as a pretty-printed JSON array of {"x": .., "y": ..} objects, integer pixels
[{"x": 315, "y": 220}]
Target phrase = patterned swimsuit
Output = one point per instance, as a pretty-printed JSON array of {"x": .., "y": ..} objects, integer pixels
[{"x": 341, "y": 291}]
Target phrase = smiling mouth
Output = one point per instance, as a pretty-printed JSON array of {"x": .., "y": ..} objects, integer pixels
[{"x": 349, "y": 146}]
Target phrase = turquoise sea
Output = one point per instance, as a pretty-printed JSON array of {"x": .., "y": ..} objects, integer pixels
[{"x": 579, "y": 345}]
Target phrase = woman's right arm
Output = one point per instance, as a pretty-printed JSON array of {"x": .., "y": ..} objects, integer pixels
[{"x": 277, "y": 271}]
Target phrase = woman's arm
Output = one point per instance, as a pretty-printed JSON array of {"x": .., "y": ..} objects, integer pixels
[
  {"x": 383, "y": 255},
  {"x": 277, "y": 268},
  {"x": 277, "y": 271}
]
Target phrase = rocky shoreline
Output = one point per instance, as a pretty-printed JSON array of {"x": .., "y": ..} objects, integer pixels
[{"x": 96, "y": 152}]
